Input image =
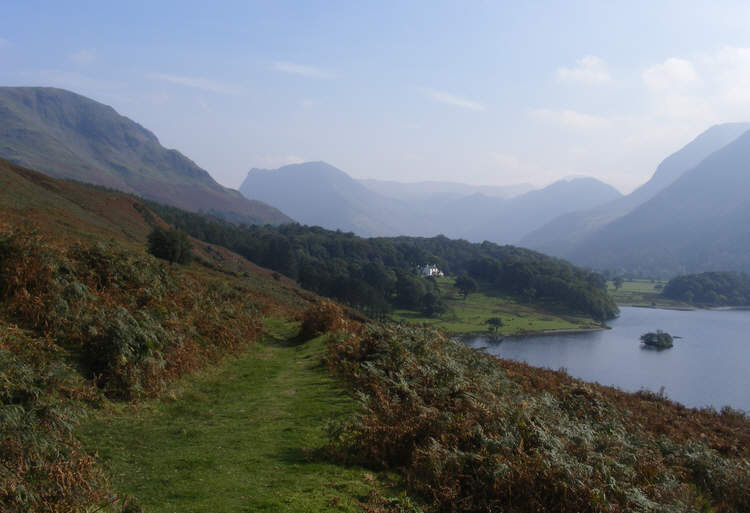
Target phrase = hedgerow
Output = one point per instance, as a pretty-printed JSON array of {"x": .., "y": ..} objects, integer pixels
[{"x": 466, "y": 437}]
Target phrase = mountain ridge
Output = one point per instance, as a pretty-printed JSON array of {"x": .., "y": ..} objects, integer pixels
[
  {"x": 561, "y": 235},
  {"x": 317, "y": 193},
  {"x": 67, "y": 135}
]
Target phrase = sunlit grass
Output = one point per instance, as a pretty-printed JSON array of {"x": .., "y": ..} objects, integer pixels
[
  {"x": 246, "y": 436},
  {"x": 470, "y": 315}
]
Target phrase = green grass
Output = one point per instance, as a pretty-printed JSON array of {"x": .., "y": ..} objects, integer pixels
[
  {"x": 465, "y": 316},
  {"x": 642, "y": 293},
  {"x": 246, "y": 436}
]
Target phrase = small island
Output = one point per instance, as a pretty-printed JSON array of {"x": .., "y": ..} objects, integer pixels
[{"x": 659, "y": 339}]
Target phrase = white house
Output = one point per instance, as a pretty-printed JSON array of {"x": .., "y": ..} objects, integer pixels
[{"x": 430, "y": 270}]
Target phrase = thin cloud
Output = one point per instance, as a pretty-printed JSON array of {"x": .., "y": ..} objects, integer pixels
[
  {"x": 452, "y": 99},
  {"x": 588, "y": 70},
  {"x": 4, "y": 42},
  {"x": 302, "y": 70},
  {"x": 672, "y": 73},
  {"x": 204, "y": 84},
  {"x": 83, "y": 57}
]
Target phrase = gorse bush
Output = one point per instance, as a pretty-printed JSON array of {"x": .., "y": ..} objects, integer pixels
[{"x": 467, "y": 437}]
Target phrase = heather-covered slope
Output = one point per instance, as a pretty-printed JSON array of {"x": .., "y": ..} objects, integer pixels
[{"x": 66, "y": 135}]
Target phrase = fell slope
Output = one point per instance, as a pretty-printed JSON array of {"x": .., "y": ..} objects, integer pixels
[
  {"x": 699, "y": 223},
  {"x": 562, "y": 235},
  {"x": 66, "y": 135}
]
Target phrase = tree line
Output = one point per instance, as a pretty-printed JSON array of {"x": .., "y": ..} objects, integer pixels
[
  {"x": 710, "y": 289},
  {"x": 377, "y": 274}
]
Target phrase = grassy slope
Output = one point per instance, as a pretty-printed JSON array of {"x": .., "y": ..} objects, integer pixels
[
  {"x": 470, "y": 315},
  {"x": 642, "y": 293},
  {"x": 67, "y": 135},
  {"x": 242, "y": 426},
  {"x": 241, "y": 437}
]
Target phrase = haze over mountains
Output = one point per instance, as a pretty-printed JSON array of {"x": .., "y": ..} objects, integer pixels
[
  {"x": 691, "y": 216},
  {"x": 66, "y": 135},
  {"x": 687, "y": 218},
  {"x": 319, "y": 194}
]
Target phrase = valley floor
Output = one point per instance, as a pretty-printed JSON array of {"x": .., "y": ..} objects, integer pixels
[
  {"x": 244, "y": 436},
  {"x": 465, "y": 316}
]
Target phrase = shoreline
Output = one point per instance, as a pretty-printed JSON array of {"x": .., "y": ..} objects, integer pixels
[{"x": 499, "y": 336}]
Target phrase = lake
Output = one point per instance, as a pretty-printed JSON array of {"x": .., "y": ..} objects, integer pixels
[{"x": 709, "y": 366}]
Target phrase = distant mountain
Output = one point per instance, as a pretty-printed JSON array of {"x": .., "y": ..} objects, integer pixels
[
  {"x": 701, "y": 222},
  {"x": 66, "y": 135},
  {"x": 514, "y": 218},
  {"x": 435, "y": 189},
  {"x": 564, "y": 234},
  {"x": 317, "y": 193}
]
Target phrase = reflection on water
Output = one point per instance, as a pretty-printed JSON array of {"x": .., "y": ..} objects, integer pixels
[{"x": 708, "y": 366}]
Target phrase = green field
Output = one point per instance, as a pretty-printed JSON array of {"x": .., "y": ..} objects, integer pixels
[
  {"x": 246, "y": 436},
  {"x": 642, "y": 293},
  {"x": 469, "y": 316}
]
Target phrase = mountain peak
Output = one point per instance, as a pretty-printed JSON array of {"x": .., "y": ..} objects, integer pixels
[{"x": 67, "y": 135}]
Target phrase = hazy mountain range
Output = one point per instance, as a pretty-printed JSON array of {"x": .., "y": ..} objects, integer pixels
[
  {"x": 66, "y": 135},
  {"x": 319, "y": 194},
  {"x": 656, "y": 228},
  {"x": 691, "y": 216}
]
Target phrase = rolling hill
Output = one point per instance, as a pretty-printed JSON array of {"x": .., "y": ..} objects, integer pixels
[
  {"x": 66, "y": 135},
  {"x": 564, "y": 234}
]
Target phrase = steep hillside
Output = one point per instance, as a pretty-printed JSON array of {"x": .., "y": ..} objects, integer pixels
[
  {"x": 699, "y": 223},
  {"x": 66, "y": 135},
  {"x": 562, "y": 235},
  {"x": 316, "y": 193}
]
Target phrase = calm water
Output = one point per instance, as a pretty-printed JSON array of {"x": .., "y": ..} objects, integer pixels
[{"x": 709, "y": 366}]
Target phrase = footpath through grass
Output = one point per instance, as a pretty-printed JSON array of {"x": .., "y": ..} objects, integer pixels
[
  {"x": 245, "y": 436},
  {"x": 469, "y": 315}
]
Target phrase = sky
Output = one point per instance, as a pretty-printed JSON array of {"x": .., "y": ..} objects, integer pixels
[{"x": 471, "y": 91}]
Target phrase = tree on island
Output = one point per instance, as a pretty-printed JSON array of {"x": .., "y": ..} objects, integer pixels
[
  {"x": 493, "y": 323},
  {"x": 660, "y": 339},
  {"x": 618, "y": 282},
  {"x": 466, "y": 284}
]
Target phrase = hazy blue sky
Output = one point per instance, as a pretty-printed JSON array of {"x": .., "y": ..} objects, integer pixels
[{"x": 480, "y": 92}]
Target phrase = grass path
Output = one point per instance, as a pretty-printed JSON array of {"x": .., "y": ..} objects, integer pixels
[{"x": 240, "y": 438}]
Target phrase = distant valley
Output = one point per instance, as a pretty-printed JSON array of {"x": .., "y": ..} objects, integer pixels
[
  {"x": 691, "y": 216},
  {"x": 317, "y": 193}
]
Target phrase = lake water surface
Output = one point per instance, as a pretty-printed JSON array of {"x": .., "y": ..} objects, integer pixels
[{"x": 709, "y": 366}]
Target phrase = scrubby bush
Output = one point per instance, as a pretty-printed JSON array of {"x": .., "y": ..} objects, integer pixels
[
  {"x": 170, "y": 245},
  {"x": 322, "y": 317},
  {"x": 42, "y": 465},
  {"x": 131, "y": 321}
]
